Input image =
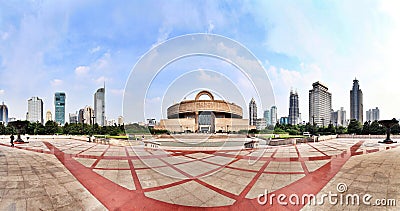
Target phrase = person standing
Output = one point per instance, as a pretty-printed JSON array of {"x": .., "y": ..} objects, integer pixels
[{"x": 12, "y": 140}]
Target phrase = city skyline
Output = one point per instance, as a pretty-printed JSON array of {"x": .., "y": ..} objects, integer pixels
[{"x": 75, "y": 46}]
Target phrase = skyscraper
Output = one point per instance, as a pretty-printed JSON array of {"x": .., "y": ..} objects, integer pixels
[
  {"x": 86, "y": 115},
  {"x": 320, "y": 104},
  {"x": 99, "y": 106},
  {"x": 372, "y": 114},
  {"x": 49, "y": 116},
  {"x": 73, "y": 118},
  {"x": 267, "y": 117},
  {"x": 35, "y": 110},
  {"x": 274, "y": 115},
  {"x": 59, "y": 105},
  {"x": 293, "y": 108},
  {"x": 120, "y": 120},
  {"x": 356, "y": 102},
  {"x": 3, "y": 114},
  {"x": 338, "y": 117},
  {"x": 252, "y": 112}
]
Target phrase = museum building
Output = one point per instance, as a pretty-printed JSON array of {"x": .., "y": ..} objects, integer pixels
[{"x": 204, "y": 116}]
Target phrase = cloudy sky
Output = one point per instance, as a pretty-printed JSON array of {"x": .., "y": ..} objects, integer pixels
[{"x": 74, "y": 46}]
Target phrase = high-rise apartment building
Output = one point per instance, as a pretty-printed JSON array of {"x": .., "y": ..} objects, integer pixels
[
  {"x": 320, "y": 104},
  {"x": 284, "y": 120},
  {"x": 293, "y": 108},
  {"x": 100, "y": 106},
  {"x": 73, "y": 118},
  {"x": 35, "y": 110},
  {"x": 338, "y": 117},
  {"x": 372, "y": 114},
  {"x": 267, "y": 117},
  {"x": 49, "y": 116},
  {"x": 3, "y": 114},
  {"x": 252, "y": 112},
  {"x": 120, "y": 120},
  {"x": 59, "y": 105},
  {"x": 86, "y": 115},
  {"x": 261, "y": 124},
  {"x": 274, "y": 115},
  {"x": 356, "y": 102}
]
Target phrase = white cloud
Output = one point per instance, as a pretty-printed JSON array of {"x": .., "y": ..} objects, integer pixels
[
  {"x": 101, "y": 80},
  {"x": 118, "y": 92},
  {"x": 95, "y": 49},
  {"x": 103, "y": 62},
  {"x": 56, "y": 82},
  {"x": 204, "y": 76},
  {"x": 210, "y": 27},
  {"x": 4, "y": 36},
  {"x": 2, "y": 91},
  {"x": 82, "y": 70}
]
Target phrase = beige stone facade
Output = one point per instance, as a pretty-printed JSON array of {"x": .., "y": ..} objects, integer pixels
[{"x": 204, "y": 116}]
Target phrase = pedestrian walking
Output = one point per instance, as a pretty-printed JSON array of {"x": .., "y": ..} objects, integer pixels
[{"x": 12, "y": 140}]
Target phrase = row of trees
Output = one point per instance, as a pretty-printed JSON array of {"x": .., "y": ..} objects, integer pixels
[
  {"x": 354, "y": 127},
  {"x": 51, "y": 127}
]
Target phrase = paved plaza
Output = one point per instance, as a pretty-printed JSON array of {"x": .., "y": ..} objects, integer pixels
[{"x": 67, "y": 174}]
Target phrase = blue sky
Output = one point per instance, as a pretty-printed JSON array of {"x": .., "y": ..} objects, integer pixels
[{"x": 74, "y": 46}]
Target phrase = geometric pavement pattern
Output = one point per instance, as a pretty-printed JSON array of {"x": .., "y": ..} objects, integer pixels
[{"x": 123, "y": 177}]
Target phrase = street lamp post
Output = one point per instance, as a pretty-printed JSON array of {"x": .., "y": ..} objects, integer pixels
[
  {"x": 83, "y": 125},
  {"x": 93, "y": 118}
]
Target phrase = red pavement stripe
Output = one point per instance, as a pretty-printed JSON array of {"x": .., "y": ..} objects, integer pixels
[
  {"x": 86, "y": 149},
  {"x": 135, "y": 177},
  {"x": 255, "y": 178},
  {"x": 317, "y": 149},
  {"x": 99, "y": 158},
  {"x": 167, "y": 185},
  {"x": 313, "y": 182}
]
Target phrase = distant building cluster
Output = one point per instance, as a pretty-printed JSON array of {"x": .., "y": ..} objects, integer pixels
[
  {"x": 88, "y": 115},
  {"x": 320, "y": 112},
  {"x": 372, "y": 114}
]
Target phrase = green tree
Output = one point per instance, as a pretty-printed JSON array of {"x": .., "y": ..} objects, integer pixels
[
  {"x": 341, "y": 130},
  {"x": 51, "y": 127},
  {"x": 354, "y": 127},
  {"x": 330, "y": 129},
  {"x": 376, "y": 128},
  {"x": 2, "y": 129},
  {"x": 395, "y": 129},
  {"x": 366, "y": 128}
]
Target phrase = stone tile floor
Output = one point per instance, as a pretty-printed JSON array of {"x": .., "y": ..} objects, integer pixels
[{"x": 75, "y": 175}]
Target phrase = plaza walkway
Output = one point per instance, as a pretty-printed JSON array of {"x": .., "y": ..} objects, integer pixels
[{"x": 75, "y": 175}]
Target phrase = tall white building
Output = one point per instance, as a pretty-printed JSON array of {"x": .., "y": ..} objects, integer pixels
[
  {"x": 35, "y": 110},
  {"x": 267, "y": 117},
  {"x": 73, "y": 118},
  {"x": 4, "y": 114},
  {"x": 274, "y": 115},
  {"x": 320, "y": 105},
  {"x": 252, "y": 112},
  {"x": 356, "y": 102},
  {"x": 120, "y": 120},
  {"x": 373, "y": 114},
  {"x": 86, "y": 115},
  {"x": 338, "y": 117},
  {"x": 261, "y": 124},
  {"x": 294, "y": 111},
  {"x": 100, "y": 106}
]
